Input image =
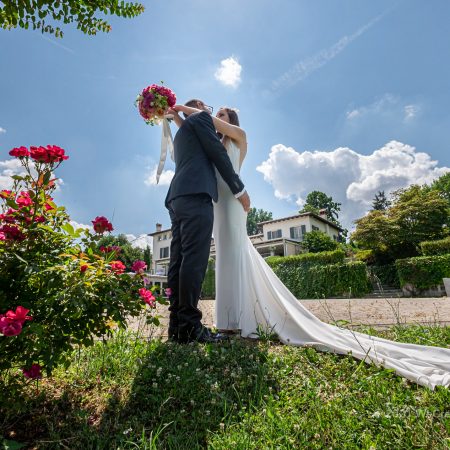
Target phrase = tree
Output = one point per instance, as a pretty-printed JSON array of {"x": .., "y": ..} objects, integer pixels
[
  {"x": 254, "y": 217},
  {"x": 147, "y": 257},
  {"x": 417, "y": 214},
  {"x": 128, "y": 254},
  {"x": 35, "y": 14},
  {"x": 318, "y": 241},
  {"x": 316, "y": 200},
  {"x": 442, "y": 185},
  {"x": 380, "y": 202}
]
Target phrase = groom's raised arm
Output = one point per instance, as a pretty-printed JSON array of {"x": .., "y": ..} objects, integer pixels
[{"x": 205, "y": 131}]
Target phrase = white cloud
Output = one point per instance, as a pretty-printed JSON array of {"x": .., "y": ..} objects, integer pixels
[
  {"x": 77, "y": 225},
  {"x": 229, "y": 72},
  {"x": 411, "y": 112},
  {"x": 349, "y": 177},
  {"x": 388, "y": 106},
  {"x": 306, "y": 67},
  {"x": 7, "y": 169},
  {"x": 164, "y": 180},
  {"x": 141, "y": 241},
  {"x": 2, "y": 130}
]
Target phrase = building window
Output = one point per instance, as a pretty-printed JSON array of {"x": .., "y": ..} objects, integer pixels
[
  {"x": 164, "y": 252},
  {"x": 298, "y": 232},
  {"x": 314, "y": 228},
  {"x": 159, "y": 237},
  {"x": 165, "y": 237},
  {"x": 335, "y": 238},
  {"x": 273, "y": 235}
]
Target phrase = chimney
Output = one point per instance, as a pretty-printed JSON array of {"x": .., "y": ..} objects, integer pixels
[
  {"x": 323, "y": 212},
  {"x": 158, "y": 227}
]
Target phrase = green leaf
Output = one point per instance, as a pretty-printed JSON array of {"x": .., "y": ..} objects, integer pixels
[
  {"x": 68, "y": 228},
  {"x": 11, "y": 445}
]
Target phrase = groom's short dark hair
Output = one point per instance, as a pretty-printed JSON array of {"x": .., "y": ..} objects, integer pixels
[{"x": 193, "y": 103}]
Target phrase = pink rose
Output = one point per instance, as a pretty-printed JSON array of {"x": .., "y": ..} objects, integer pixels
[
  {"x": 2, "y": 236},
  {"x": 139, "y": 266},
  {"x": 168, "y": 292},
  {"x": 10, "y": 327},
  {"x": 24, "y": 199},
  {"x": 102, "y": 224},
  {"x": 34, "y": 372},
  {"x": 147, "y": 296},
  {"x": 117, "y": 267},
  {"x": 20, "y": 152}
]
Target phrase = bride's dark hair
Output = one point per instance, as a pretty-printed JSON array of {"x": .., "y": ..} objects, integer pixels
[{"x": 234, "y": 120}]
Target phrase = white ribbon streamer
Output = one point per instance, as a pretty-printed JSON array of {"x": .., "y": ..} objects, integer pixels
[{"x": 166, "y": 143}]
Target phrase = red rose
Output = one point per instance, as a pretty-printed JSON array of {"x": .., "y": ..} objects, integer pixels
[
  {"x": 5, "y": 193},
  {"x": 10, "y": 327},
  {"x": 20, "y": 152},
  {"x": 12, "y": 232},
  {"x": 34, "y": 372},
  {"x": 102, "y": 224},
  {"x": 24, "y": 199},
  {"x": 39, "y": 154},
  {"x": 147, "y": 296},
  {"x": 83, "y": 268},
  {"x": 117, "y": 267}
]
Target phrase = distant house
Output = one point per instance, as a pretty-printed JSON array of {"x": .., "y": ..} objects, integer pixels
[{"x": 281, "y": 237}]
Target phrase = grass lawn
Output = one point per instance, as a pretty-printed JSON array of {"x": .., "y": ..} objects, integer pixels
[{"x": 128, "y": 393}]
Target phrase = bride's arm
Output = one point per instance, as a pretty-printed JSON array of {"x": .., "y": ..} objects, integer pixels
[
  {"x": 232, "y": 131},
  {"x": 176, "y": 117}
]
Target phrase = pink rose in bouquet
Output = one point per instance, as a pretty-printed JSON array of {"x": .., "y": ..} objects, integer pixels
[{"x": 153, "y": 103}]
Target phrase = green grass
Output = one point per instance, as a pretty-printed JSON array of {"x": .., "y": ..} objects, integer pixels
[{"x": 133, "y": 394}]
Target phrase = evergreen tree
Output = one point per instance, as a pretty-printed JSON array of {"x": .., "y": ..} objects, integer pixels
[{"x": 380, "y": 202}]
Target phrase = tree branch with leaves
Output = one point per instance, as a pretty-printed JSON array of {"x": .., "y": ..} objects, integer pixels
[{"x": 42, "y": 14}]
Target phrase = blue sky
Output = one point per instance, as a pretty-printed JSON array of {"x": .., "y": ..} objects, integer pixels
[{"x": 348, "y": 97}]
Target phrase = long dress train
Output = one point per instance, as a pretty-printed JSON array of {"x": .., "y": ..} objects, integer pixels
[{"x": 249, "y": 294}]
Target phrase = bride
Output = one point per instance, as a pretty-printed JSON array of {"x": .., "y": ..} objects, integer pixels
[{"x": 249, "y": 295}]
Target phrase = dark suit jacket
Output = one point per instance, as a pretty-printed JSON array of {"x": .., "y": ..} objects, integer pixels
[{"x": 196, "y": 149}]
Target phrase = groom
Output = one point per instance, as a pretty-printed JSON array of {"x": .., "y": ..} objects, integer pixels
[{"x": 197, "y": 150}]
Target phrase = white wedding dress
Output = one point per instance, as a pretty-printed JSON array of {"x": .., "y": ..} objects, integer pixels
[{"x": 248, "y": 294}]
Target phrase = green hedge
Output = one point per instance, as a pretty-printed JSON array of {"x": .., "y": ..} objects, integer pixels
[
  {"x": 440, "y": 247},
  {"x": 304, "y": 277},
  {"x": 386, "y": 274},
  {"x": 423, "y": 272},
  {"x": 209, "y": 283},
  {"x": 349, "y": 279}
]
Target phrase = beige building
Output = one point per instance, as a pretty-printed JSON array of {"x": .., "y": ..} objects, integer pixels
[{"x": 281, "y": 237}]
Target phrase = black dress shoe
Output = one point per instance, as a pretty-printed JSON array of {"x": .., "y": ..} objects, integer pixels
[{"x": 207, "y": 336}]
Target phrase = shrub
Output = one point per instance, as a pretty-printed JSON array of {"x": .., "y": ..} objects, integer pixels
[
  {"x": 349, "y": 279},
  {"x": 57, "y": 290},
  {"x": 440, "y": 247},
  {"x": 293, "y": 271},
  {"x": 317, "y": 241},
  {"x": 423, "y": 272}
]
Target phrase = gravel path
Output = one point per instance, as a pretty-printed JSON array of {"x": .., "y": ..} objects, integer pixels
[{"x": 379, "y": 313}]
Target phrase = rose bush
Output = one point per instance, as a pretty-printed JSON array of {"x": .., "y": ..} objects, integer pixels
[{"x": 57, "y": 290}]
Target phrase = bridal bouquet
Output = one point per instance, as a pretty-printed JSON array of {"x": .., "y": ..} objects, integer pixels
[{"x": 153, "y": 103}]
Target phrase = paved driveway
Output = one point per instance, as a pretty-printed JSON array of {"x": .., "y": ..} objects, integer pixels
[{"x": 379, "y": 313}]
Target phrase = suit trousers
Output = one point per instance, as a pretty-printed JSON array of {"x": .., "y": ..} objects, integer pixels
[{"x": 192, "y": 219}]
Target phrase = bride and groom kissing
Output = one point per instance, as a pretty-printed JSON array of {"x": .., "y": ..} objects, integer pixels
[
  {"x": 206, "y": 197},
  {"x": 199, "y": 153}
]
